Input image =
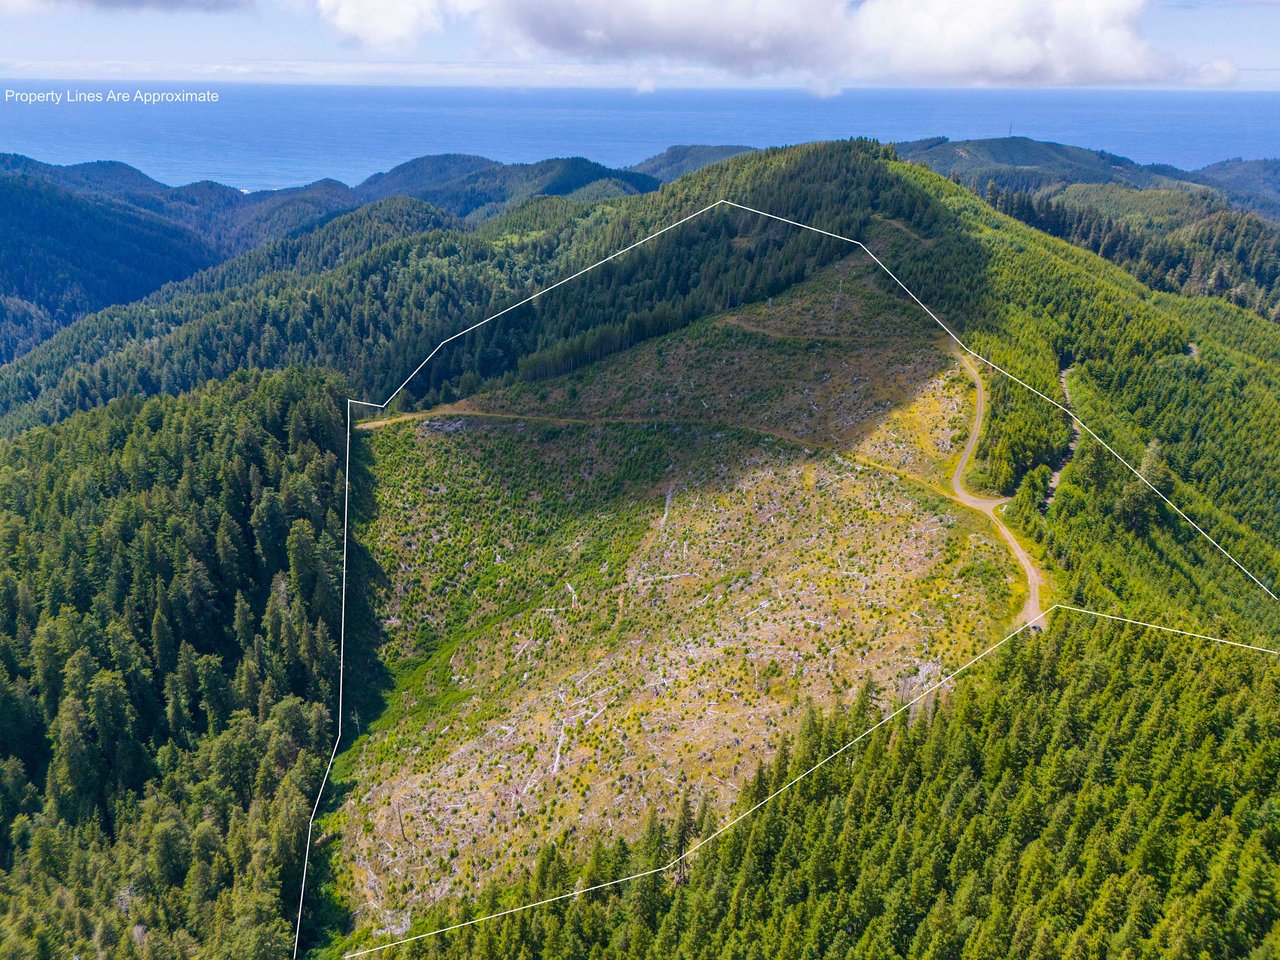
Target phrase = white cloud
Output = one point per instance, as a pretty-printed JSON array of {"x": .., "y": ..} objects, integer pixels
[
  {"x": 995, "y": 41},
  {"x": 826, "y": 43},
  {"x": 744, "y": 37},
  {"x": 390, "y": 23},
  {"x": 1216, "y": 73}
]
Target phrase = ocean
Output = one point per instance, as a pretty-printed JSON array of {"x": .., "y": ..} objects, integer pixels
[{"x": 259, "y": 136}]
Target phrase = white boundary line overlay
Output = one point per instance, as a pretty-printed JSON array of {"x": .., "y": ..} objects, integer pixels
[
  {"x": 801, "y": 776},
  {"x": 346, "y": 500}
]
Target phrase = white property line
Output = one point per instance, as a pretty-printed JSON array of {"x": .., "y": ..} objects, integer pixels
[
  {"x": 796, "y": 779},
  {"x": 973, "y": 353},
  {"x": 1156, "y": 626},
  {"x": 346, "y": 501},
  {"x": 352, "y": 402}
]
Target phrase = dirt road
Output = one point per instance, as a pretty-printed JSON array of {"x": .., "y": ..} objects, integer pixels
[{"x": 991, "y": 507}]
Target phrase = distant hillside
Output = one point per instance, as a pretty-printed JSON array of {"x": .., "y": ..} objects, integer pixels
[
  {"x": 1022, "y": 164},
  {"x": 232, "y": 221},
  {"x": 226, "y": 218},
  {"x": 274, "y": 263},
  {"x": 1019, "y": 163},
  {"x": 64, "y": 254},
  {"x": 422, "y": 173},
  {"x": 1197, "y": 232},
  {"x": 675, "y": 162},
  {"x": 83, "y": 237},
  {"x": 476, "y": 188},
  {"x": 1251, "y": 183}
]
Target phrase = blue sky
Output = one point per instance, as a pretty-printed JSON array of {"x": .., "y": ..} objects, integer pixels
[{"x": 821, "y": 44}]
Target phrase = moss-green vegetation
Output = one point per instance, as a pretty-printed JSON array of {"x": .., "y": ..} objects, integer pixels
[{"x": 638, "y": 575}]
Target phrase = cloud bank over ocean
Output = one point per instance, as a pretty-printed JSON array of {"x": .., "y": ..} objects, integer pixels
[
  {"x": 1059, "y": 42},
  {"x": 823, "y": 44}
]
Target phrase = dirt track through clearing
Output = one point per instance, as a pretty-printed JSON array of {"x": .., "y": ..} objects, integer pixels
[{"x": 991, "y": 506}]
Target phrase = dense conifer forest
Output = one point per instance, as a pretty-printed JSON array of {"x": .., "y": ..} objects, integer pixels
[
  {"x": 171, "y": 495},
  {"x": 1220, "y": 252},
  {"x": 170, "y": 606}
]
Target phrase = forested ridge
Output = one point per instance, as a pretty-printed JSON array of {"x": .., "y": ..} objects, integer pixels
[
  {"x": 1021, "y": 164},
  {"x": 1024, "y": 164},
  {"x": 372, "y": 317},
  {"x": 1251, "y": 183},
  {"x": 169, "y": 592},
  {"x": 675, "y": 162},
  {"x": 79, "y": 238},
  {"x": 1210, "y": 232},
  {"x": 261, "y": 275},
  {"x": 233, "y": 221}
]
